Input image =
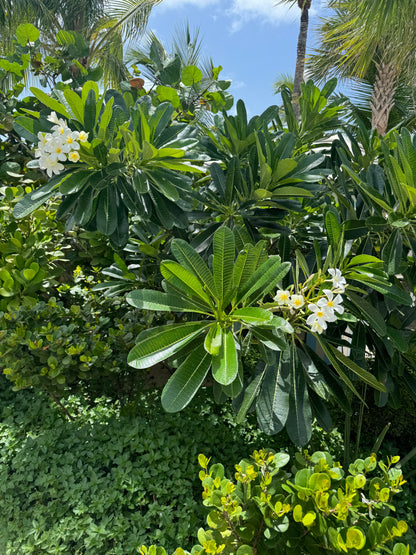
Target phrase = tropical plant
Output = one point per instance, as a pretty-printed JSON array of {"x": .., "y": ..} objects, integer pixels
[
  {"x": 93, "y": 30},
  {"x": 291, "y": 382},
  {"x": 123, "y": 156},
  {"x": 317, "y": 507},
  {"x": 180, "y": 77},
  {"x": 363, "y": 34}
]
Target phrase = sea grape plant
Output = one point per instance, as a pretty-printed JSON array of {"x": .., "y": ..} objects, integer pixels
[
  {"x": 317, "y": 507},
  {"x": 230, "y": 309}
]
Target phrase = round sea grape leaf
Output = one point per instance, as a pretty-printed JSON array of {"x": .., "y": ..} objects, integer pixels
[
  {"x": 26, "y": 33},
  {"x": 190, "y": 75}
]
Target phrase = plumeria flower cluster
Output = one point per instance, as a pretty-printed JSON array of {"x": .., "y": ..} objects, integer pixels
[
  {"x": 60, "y": 145},
  {"x": 324, "y": 310}
]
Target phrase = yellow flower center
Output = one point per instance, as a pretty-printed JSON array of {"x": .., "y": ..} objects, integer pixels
[
  {"x": 320, "y": 313},
  {"x": 58, "y": 150},
  {"x": 330, "y": 304}
]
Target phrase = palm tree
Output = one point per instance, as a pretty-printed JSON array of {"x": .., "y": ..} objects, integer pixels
[
  {"x": 304, "y": 6},
  {"x": 106, "y": 26},
  {"x": 363, "y": 35}
]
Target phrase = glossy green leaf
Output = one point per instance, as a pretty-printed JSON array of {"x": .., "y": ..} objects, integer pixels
[
  {"x": 156, "y": 300},
  {"x": 76, "y": 104},
  {"x": 49, "y": 102},
  {"x": 213, "y": 339},
  {"x": 250, "y": 395},
  {"x": 299, "y": 419},
  {"x": 392, "y": 253},
  {"x": 157, "y": 344},
  {"x": 223, "y": 260},
  {"x": 252, "y": 316},
  {"x": 183, "y": 280},
  {"x": 264, "y": 280},
  {"x": 273, "y": 399},
  {"x": 186, "y": 380},
  {"x": 364, "y": 375},
  {"x": 225, "y": 363},
  {"x": 190, "y": 260},
  {"x": 366, "y": 311},
  {"x": 36, "y": 198},
  {"x": 107, "y": 211}
]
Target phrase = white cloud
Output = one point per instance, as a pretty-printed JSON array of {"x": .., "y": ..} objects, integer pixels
[
  {"x": 265, "y": 10},
  {"x": 181, "y": 3}
]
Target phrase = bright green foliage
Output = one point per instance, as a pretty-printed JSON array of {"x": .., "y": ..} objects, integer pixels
[
  {"x": 317, "y": 508},
  {"x": 226, "y": 299},
  {"x": 79, "y": 342},
  {"x": 133, "y": 162},
  {"x": 30, "y": 252},
  {"x": 179, "y": 78},
  {"x": 106, "y": 483}
]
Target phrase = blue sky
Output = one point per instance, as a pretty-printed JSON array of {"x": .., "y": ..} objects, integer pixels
[{"x": 253, "y": 40}]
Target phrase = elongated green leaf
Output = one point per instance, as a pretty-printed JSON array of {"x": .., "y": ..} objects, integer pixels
[
  {"x": 223, "y": 260},
  {"x": 225, "y": 364},
  {"x": 386, "y": 288},
  {"x": 333, "y": 229},
  {"x": 49, "y": 102},
  {"x": 337, "y": 358},
  {"x": 299, "y": 420},
  {"x": 183, "y": 280},
  {"x": 320, "y": 411},
  {"x": 273, "y": 400},
  {"x": 76, "y": 104},
  {"x": 333, "y": 382},
  {"x": 246, "y": 264},
  {"x": 186, "y": 380},
  {"x": 160, "y": 343},
  {"x": 107, "y": 211},
  {"x": 366, "y": 311},
  {"x": 269, "y": 339},
  {"x": 36, "y": 198},
  {"x": 190, "y": 260},
  {"x": 264, "y": 279},
  {"x": 337, "y": 366},
  {"x": 165, "y": 302},
  {"x": 236, "y": 386},
  {"x": 213, "y": 339},
  {"x": 74, "y": 182},
  {"x": 392, "y": 253},
  {"x": 253, "y": 316},
  {"x": 250, "y": 395}
]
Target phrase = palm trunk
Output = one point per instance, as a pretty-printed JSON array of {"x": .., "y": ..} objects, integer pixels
[
  {"x": 300, "y": 55},
  {"x": 382, "y": 99}
]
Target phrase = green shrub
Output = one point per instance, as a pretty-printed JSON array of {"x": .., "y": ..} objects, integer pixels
[
  {"x": 106, "y": 484},
  {"x": 79, "y": 342},
  {"x": 316, "y": 508}
]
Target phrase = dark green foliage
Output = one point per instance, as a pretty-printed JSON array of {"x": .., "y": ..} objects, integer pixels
[{"x": 106, "y": 484}]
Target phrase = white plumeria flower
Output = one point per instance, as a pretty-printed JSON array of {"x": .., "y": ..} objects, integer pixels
[
  {"x": 61, "y": 129},
  {"x": 53, "y": 118},
  {"x": 282, "y": 298},
  {"x": 316, "y": 327},
  {"x": 83, "y": 137},
  {"x": 330, "y": 303},
  {"x": 73, "y": 156},
  {"x": 57, "y": 151},
  {"x": 338, "y": 281},
  {"x": 70, "y": 142},
  {"x": 51, "y": 165},
  {"x": 320, "y": 314},
  {"x": 296, "y": 301}
]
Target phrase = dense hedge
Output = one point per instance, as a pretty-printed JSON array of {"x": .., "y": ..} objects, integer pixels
[{"x": 104, "y": 483}]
